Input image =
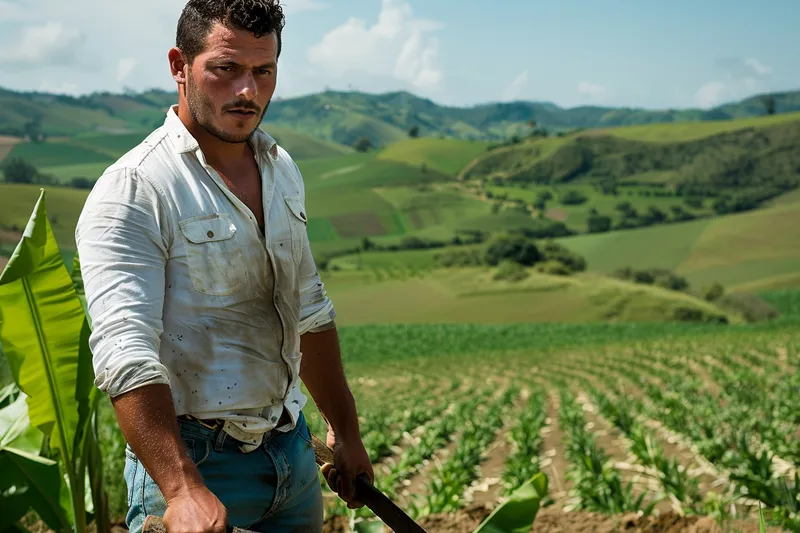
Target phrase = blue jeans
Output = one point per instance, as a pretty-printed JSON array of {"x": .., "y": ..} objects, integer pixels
[{"x": 275, "y": 488}]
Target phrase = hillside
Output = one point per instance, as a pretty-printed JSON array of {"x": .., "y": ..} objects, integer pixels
[
  {"x": 344, "y": 117},
  {"x": 755, "y": 251},
  {"x": 471, "y": 295},
  {"x": 87, "y": 155}
]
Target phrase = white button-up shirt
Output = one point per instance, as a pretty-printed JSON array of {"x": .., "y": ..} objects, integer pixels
[{"x": 183, "y": 289}]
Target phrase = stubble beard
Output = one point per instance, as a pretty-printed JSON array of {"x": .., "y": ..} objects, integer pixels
[{"x": 202, "y": 110}]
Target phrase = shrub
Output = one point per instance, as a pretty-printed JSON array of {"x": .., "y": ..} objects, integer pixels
[
  {"x": 573, "y": 197},
  {"x": 714, "y": 292},
  {"x": 554, "y": 268},
  {"x": 750, "y": 306},
  {"x": 573, "y": 262},
  {"x": 509, "y": 270},
  {"x": 514, "y": 247}
]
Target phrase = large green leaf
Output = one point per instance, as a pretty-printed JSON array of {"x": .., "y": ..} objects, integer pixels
[
  {"x": 28, "y": 480},
  {"x": 516, "y": 515},
  {"x": 41, "y": 331}
]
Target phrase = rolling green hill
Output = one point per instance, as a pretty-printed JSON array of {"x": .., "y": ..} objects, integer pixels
[
  {"x": 88, "y": 154},
  {"x": 471, "y": 295},
  {"x": 344, "y": 117},
  {"x": 445, "y": 155},
  {"x": 752, "y": 251}
]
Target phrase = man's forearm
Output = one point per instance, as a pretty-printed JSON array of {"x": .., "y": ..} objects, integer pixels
[
  {"x": 322, "y": 372},
  {"x": 147, "y": 419}
]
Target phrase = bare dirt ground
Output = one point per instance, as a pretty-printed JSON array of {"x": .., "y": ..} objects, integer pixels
[
  {"x": 553, "y": 520},
  {"x": 3, "y": 263},
  {"x": 6, "y": 144}
]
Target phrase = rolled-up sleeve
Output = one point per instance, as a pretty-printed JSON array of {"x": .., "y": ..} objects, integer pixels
[
  {"x": 122, "y": 239},
  {"x": 316, "y": 308}
]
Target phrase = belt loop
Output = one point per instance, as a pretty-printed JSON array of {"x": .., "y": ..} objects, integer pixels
[{"x": 219, "y": 441}]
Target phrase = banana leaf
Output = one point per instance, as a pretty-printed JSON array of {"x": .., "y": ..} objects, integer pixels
[
  {"x": 44, "y": 334},
  {"x": 516, "y": 515},
  {"x": 29, "y": 480}
]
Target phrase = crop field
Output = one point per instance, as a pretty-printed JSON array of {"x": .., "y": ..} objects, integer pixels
[
  {"x": 6, "y": 144},
  {"x": 649, "y": 424},
  {"x": 692, "y": 423}
]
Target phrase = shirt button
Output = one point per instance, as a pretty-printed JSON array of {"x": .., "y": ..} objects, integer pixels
[{"x": 210, "y": 234}]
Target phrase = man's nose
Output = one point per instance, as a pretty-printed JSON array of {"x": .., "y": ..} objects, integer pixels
[{"x": 248, "y": 88}]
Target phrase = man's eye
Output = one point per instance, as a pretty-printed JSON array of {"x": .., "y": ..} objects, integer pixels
[
  {"x": 264, "y": 71},
  {"x": 225, "y": 69}
]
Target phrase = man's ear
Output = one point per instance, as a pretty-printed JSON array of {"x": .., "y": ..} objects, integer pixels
[{"x": 177, "y": 65}]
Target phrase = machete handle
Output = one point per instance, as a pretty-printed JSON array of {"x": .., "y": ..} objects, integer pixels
[
  {"x": 366, "y": 493},
  {"x": 155, "y": 524}
]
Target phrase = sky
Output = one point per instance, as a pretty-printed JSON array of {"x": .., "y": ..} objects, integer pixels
[{"x": 620, "y": 53}]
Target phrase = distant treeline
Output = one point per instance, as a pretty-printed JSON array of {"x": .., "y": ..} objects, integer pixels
[{"x": 18, "y": 170}]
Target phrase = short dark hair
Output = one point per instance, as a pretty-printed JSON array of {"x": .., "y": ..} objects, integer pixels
[{"x": 259, "y": 17}]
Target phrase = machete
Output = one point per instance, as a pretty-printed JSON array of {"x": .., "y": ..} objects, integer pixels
[{"x": 366, "y": 493}]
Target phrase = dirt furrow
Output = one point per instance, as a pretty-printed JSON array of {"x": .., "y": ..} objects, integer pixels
[{"x": 554, "y": 462}]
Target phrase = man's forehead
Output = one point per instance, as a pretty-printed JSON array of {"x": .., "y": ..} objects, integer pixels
[{"x": 223, "y": 41}]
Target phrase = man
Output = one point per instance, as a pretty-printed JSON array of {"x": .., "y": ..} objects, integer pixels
[{"x": 205, "y": 302}]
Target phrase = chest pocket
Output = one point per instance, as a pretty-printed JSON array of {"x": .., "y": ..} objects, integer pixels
[
  {"x": 297, "y": 224},
  {"x": 214, "y": 254}
]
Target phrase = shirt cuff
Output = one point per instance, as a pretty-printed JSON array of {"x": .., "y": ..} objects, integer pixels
[
  {"x": 129, "y": 376},
  {"x": 318, "y": 319}
]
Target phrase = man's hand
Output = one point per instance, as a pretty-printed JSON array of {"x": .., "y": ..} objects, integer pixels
[
  {"x": 195, "y": 511},
  {"x": 350, "y": 460}
]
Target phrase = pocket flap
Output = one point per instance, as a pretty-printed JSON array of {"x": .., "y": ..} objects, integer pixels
[
  {"x": 208, "y": 229},
  {"x": 296, "y": 207}
]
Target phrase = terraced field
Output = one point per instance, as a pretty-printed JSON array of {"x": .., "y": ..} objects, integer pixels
[{"x": 649, "y": 427}]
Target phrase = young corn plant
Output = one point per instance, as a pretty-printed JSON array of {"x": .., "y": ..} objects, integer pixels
[
  {"x": 448, "y": 482},
  {"x": 597, "y": 484},
  {"x": 526, "y": 440}
]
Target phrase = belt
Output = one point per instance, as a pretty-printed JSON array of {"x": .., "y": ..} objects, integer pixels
[{"x": 217, "y": 423}]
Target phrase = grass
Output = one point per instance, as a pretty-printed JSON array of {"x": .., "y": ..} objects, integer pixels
[
  {"x": 736, "y": 250},
  {"x": 448, "y": 156},
  {"x": 63, "y": 208},
  {"x": 50, "y": 154},
  {"x": 689, "y": 131},
  {"x": 65, "y": 173},
  {"x": 752, "y": 251},
  {"x": 473, "y": 296}
]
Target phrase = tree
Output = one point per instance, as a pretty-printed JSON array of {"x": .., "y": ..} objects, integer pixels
[
  {"x": 413, "y": 131},
  {"x": 363, "y": 144},
  {"x": 599, "y": 223},
  {"x": 573, "y": 197},
  {"x": 769, "y": 104},
  {"x": 17, "y": 170},
  {"x": 511, "y": 247}
]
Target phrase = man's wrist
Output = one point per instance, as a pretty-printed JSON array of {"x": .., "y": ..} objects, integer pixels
[{"x": 176, "y": 486}]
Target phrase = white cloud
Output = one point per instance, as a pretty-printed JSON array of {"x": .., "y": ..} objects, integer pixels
[
  {"x": 397, "y": 45},
  {"x": 517, "y": 87},
  {"x": 52, "y": 43},
  {"x": 741, "y": 78},
  {"x": 11, "y": 11},
  {"x": 711, "y": 94},
  {"x": 591, "y": 91},
  {"x": 124, "y": 68}
]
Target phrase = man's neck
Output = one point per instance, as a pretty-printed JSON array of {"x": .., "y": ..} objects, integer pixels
[{"x": 217, "y": 152}]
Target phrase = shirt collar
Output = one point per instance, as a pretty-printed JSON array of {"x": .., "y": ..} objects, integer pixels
[{"x": 261, "y": 141}]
